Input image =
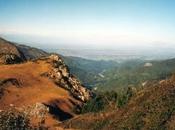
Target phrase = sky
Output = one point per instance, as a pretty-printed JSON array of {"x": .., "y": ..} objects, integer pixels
[{"x": 98, "y": 23}]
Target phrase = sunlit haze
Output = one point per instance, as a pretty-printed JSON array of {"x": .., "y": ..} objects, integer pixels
[{"x": 97, "y": 23}]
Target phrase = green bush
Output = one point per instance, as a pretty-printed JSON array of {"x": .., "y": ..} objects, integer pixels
[
  {"x": 125, "y": 97},
  {"x": 106, "y": 100},
  {"x": 100, "y": 102}
]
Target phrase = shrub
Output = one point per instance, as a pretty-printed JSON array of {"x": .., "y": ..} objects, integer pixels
[
  {"x": 11, "y": 119},
  {"x": 125, "y": 97},
  {"x": 100, "y": 102},
  {"x": 106, "y": 100}
]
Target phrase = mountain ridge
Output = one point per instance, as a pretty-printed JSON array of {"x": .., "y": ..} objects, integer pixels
[
  {"x": 39, "y": 83},
  {"x": 42, "y": 87},
  {"x": 150, "y": 108}
]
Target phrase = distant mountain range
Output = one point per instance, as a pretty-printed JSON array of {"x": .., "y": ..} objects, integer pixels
[{"x": 155, "y": 51}]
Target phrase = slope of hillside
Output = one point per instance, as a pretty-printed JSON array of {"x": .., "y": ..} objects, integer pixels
[
  {"x": 88, "y": 71},
  {"x": 152, "y": 108},
  {"x": 7, "y": 47},
  {"x": 31, "y": 52},
  {"x": 109, "y": 75},
  {"x": 9, "y": 53},
  {"x": 23, "y": 87},
  {"x": 136, "y": 74},
  {"x": 40, "y": 86}
]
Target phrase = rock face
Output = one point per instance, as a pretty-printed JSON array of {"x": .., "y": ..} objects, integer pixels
[{"x": 61, "y": 76}]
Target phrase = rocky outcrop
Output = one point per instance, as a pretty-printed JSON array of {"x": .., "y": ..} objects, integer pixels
[
  {"x": 9, "y": 53},
  {"x": 61, "y": 76},
  {"x": 10, "y": 59},
  {"x": 7, "y": 47},
  {"x": 37, "y": 110},
  {"x": 12, "y": 53}
]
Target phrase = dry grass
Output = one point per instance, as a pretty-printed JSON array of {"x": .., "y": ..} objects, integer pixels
[{"x": 33, "y": 88}]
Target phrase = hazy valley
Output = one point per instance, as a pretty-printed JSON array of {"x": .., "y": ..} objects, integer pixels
[{"x": 51, "y": 91}]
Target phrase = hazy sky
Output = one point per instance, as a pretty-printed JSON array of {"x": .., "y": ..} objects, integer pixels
[{"x": 87, "y": 22}]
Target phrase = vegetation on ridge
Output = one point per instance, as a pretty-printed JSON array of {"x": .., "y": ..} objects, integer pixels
[
  {"x": 108, "y": 100},
  {"x": 152, "y": 107}
]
